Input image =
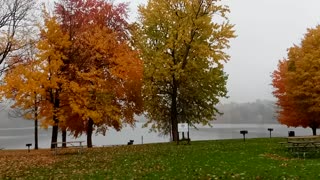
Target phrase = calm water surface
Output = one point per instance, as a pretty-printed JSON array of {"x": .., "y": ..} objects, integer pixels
[{"x": 16, "y": 138}]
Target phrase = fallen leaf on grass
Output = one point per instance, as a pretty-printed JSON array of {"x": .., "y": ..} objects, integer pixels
[
  {"x": 13, "y": 163},
  {"x": 283, "y": 165}
]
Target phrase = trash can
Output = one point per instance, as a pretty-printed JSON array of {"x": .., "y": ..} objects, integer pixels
[
  {"x": 130, "y": 142},
  {"x": 291, "y": 133}
]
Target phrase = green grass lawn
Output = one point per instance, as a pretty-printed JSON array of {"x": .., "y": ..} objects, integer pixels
[{"x": 223, "y": 159}]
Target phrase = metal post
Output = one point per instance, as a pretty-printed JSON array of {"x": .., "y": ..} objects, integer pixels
[
  {"x": 270, "y": 129},
  {"x": 244, "y": 132}
]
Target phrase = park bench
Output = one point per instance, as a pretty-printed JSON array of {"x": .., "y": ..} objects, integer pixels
[{"x": 72, "y": 144}]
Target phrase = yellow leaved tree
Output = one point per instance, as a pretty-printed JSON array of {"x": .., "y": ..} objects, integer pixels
[
  {"x": 35, "y": 84},
  {"x": 182, "y": 45},
  {"x": 22, "y": 84}
]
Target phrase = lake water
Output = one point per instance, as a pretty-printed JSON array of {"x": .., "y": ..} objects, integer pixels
[{"x": 16, "y": 138}]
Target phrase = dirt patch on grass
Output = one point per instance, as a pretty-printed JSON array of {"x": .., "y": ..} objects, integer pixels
[{"x": 276, "y": 157}]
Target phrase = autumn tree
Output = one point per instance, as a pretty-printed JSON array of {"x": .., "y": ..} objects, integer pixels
[
  {"x": 287, "y": 109},
  {"x": 51, "y": 47},
  {"x": 87, "y": 74},
  {"x": 36, "y": 83},
  {"x": 296, "y": 83},
  {"x": 104, "y": 73},
  {"x": 182, "y": 45},
  {"x": 21, "y": 84},
  {"x": 13, "y": 25}
]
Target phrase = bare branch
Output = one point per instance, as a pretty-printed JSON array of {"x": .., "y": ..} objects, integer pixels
[{"x": 13, "y": 16}]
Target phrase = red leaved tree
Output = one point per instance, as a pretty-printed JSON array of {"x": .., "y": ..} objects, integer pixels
[
  {"x": 104, "y": 73},
  {"x": 297, "y": 83}
]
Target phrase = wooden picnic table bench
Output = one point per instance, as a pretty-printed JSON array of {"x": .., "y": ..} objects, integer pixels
[
  {"x": 303, "y": 144},
  {"x": 73, "y": 144}
]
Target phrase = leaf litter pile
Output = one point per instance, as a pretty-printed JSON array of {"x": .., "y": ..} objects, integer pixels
[{"x": 15, "y": 162}]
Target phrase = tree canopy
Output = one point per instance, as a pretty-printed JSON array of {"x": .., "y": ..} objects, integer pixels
[
  {"x": 182, "y": 45},
  {"x": 85, "y": 74},
  {"x": 296, "y": 83}
]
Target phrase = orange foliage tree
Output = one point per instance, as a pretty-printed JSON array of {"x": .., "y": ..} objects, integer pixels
[
  {"x": 22, "y": 84},
  {"x": 51, "y": 57},
  {"x": 35, "y": 83},
  {"x": 296, "y": 83},
  {"x": 287, "y": 113},
  {"x": 86, "y": 75},
  {"x": 104, "y": 73}
]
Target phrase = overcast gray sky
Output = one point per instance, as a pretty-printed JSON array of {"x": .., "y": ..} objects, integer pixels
[{"x": 265, "y": 29}]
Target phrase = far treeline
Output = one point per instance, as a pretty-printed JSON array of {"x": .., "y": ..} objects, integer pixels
[
  {"x": 82, "y": 68},
  {"x": 257, "y": 112}
]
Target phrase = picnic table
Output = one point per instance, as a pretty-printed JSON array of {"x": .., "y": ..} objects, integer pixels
[
  {"x": 303, "y": 144},
  {"x": 73, "y": 144}
]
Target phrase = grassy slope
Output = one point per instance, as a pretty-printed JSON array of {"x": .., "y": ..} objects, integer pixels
[{"x": 225, "y": 159}]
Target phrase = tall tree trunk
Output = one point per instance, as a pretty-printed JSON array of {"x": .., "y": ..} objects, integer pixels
[
  {"x": 35, "y": 121},
  {"x": 89, "y": 133},
  {"x": 55, "y": 128},
  {"x": 54, "y": 136},
  {"x": 64, "y": 137},
  {"x": 35, "y": 132},
  {"x": 174, "y": 112},
  {"x": 314, "y": 131}
]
